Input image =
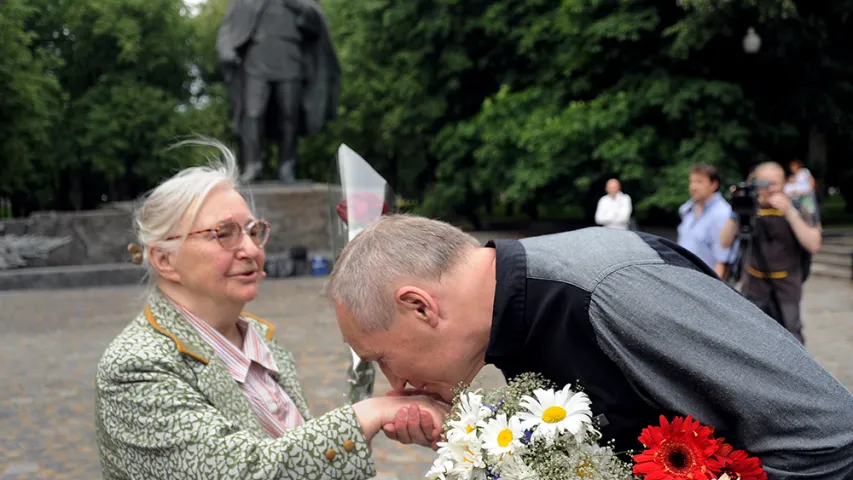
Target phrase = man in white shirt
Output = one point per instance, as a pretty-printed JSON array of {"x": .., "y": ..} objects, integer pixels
[{"x": 614, "y": 209}]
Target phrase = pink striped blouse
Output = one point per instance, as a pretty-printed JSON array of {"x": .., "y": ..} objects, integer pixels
[{"x": 252, "y": 369}]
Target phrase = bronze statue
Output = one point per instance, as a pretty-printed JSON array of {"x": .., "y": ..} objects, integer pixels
[{"x": 282, "y": 74}]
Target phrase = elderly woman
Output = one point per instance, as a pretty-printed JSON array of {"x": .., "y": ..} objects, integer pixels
[{"x": 194, "y": 388}]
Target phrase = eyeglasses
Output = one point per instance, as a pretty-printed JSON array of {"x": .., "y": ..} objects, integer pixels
[{"x": 230, "y": 234}]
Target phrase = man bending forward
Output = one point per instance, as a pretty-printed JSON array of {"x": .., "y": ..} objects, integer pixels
[{"x": 643, "y": 325}]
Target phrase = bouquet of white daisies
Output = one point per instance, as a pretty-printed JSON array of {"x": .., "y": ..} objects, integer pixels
[{"x": 527, "y": 430}]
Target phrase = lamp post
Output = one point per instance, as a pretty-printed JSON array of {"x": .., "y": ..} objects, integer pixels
[{"x": 751, "y": 41}]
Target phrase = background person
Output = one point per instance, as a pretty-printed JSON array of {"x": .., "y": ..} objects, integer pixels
[
  {"x": 614, "y": 209},
  {"x": 801, "y": 182},
  {"x": 193, "y": 388},
  {"x": 783, "y": 236},
  {"x": 702, "y": 218}
]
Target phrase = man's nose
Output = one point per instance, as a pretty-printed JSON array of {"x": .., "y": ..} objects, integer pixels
[{"x": 397, "y": 383}]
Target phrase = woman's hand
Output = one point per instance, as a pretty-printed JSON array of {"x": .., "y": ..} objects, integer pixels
[
  {"x": 412, "y": 424},
  {"x": 407, "y": 419}
]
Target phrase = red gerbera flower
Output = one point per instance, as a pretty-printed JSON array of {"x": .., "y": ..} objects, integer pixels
[
  {"x": 739, "y": 465},
  {"x": 723, "y": 450},
  {"x": 676, "y": 451}
]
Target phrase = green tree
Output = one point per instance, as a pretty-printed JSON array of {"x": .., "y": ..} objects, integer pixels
[
  {"x": 409, "y": 70},
  {"x": 462, "y": 105},
  {"x": 800, "y": 82},
  {"x": 29, "y": 103},
  {"x": 124, "y": 70},
  {"x": 643, "y": 90}
]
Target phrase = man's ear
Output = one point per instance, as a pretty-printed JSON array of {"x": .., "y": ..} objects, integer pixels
[
  {"x": 163, "y": 263},
  {"x": 413, "y": 300}
]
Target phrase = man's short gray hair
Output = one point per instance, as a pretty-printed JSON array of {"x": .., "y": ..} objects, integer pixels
[{"x": 393, "y": 249}]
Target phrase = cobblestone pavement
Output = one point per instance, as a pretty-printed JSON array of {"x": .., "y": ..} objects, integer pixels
[{"x": 51, "y": 342}]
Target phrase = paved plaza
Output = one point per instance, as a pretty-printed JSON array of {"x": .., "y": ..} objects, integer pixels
[{"x": 52, "y": 340}]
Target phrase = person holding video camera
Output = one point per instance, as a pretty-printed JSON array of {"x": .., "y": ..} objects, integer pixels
[{"x": 784, "y": 235}]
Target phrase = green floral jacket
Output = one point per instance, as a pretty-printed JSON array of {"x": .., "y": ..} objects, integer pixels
[{"x": 167, "y": 408}]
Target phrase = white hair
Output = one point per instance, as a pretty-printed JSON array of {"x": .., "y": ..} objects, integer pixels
[
  {"x": 179, "y": 199},
  {"x": 393, "y": 249}
]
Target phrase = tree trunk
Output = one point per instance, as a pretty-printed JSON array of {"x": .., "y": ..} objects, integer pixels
[
  {"x": 393, "y": 174},
  {"x": 75, "y": 192},
  {"x": 816, "y": 160},
  {"x": 531, "y": 208}
]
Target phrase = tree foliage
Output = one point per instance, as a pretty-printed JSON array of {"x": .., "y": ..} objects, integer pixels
[
  {"x": 526, "y": 103},
  {"x": 29, "y": 98},
  {"x": 643, "y": 90},
  {"x": 107, "y": 83},
  {"x": 462, "y": 105}
]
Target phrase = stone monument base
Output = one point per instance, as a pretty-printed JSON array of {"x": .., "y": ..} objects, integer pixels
[
  {"x": 97, "y": 251},
  {"x": 298, "y": 214}
]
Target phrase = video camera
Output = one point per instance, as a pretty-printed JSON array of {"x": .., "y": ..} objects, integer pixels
[{"x": 744, "y": 198}]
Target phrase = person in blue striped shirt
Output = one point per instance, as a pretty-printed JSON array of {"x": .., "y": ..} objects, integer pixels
[{"x": 703, "y": 216}]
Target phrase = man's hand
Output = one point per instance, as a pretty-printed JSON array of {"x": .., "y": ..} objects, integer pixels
[
  {"x": 229, "y": 57},
  {"x": 722, "y": 270},
  {"x": 230, "y": 64},
  {"x": 780, "y": 202},
  {"x": 728, "y": 233}
]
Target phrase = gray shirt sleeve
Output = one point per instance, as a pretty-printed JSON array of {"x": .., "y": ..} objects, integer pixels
[{"x": 693, "y": 345}]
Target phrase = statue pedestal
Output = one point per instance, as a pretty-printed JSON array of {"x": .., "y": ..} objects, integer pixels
[
  {"x": 298, "y": 214},
  {"x": 93, "y": 247}
]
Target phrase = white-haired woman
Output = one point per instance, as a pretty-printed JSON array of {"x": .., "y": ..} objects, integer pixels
[{"x": 193, "y": 387}]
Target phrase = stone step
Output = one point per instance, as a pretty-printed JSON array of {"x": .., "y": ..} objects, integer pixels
[
  {"x": 842, "y": 240},
  {"x": 39, "y": 278},
  {"x": 112, "y": 274},
  {"x": 838, "y": 249},
  {"x": 299, "y": 215},
  {"x": 831, "y": 258},
  {"x": 834, "y": 271}
]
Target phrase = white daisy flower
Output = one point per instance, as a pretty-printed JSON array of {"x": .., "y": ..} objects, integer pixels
[
  {"x": 471, "y": 411},
  {"x": 467, "y": 454},
  {"x": 440, "y": 469},
  {"x": 551, "y": 413},
  {"x": 453, "y": 449},
  {"x": 500, "y": 436},
  {"x": 461, "y": 448},
  {"x": 466, "y": 471},
  {"x": 514, "y": 468}
]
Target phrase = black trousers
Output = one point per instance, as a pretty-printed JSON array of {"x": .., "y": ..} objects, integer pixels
[
  {"x": 787, "y": 314},
  {"x": 256, "y": 95}
]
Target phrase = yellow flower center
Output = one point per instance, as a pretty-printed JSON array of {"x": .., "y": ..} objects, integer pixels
[
  {"x": 505, "y": 437},
  {"x": 553, "y": 414},
  {"x": 468, "y": 459},
  {"x": 469, "y": 428},
  {"x": 585, "y": 470}
]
